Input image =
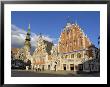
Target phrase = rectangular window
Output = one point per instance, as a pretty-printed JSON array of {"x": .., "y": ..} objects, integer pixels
[
  {"x": 66, "y": 56},
  {"x": 78, "y": 55},
  {"x": 72, "y": 55}
]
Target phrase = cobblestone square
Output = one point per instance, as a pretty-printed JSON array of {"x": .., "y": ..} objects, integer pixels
[{"x": 30, "y": 73}]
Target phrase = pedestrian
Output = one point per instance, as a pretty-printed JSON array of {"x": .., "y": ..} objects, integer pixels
[{"x": 55, "y": 67}]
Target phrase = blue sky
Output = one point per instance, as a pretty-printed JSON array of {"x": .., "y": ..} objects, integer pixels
[{"x": 51, "y": 23}]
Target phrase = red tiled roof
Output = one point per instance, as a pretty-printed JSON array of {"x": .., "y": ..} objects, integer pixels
[{"x": 15, "y": 50}]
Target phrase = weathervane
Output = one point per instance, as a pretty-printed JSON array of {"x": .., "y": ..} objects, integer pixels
[
  {"x": 69, "y": 19},
  {"x": 29, "y": 26},
  {"x": 23, "y": 29},
  {"x": 40, "y": 35},
  {"x": 29, "y": 29},
  {"x": 76, "y": 22}
]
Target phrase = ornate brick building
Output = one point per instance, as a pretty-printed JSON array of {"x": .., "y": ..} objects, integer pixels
[{"x": 75, "y": 49}]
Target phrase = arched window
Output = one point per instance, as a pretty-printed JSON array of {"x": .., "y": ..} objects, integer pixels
[{"x": 78, "y": 55}]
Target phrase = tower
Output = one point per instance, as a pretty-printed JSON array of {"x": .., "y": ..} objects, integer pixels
[{"x": 27, "y": 44}]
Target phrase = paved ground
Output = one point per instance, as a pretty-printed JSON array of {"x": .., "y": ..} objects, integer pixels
[{"x": 30, "y": 73}]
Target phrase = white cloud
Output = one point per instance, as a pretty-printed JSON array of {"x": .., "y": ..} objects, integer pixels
[
  {"x": 47, "y": 38},
  {"x": 18, "y": 37}
]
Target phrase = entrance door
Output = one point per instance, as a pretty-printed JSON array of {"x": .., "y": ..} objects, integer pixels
[
  {"x": 80, "y": 67},
  {"x": 48, "y": 67},
  {"x": 71, "y": 66},
  {"x": 64, "y": 66},
  {"x": 42, "y": 67}
]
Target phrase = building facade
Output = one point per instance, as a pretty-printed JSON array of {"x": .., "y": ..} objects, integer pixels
[
  {"x": 74, "y": 51},
  {"x": 14, "y": 52},
  {"x": 42, "y": 55}
]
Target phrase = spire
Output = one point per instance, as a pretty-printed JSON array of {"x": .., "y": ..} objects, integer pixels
[
  {"x": 28, "y": 34},
  {"x": 27, "y": 44},
  {"x": 29, "y": 26},
  {"x": 29, "y": 29}
]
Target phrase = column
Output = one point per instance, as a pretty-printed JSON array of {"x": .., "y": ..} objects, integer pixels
[
  {"x": 75, "y": 64},
  {"x": 75, "y": 70}
]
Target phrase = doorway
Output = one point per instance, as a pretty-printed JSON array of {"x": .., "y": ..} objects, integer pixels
[
  {"x": 64, "y": 66},
  {"x": 80, "y": 67},
  {"x": 71, "y": 66},
  {"x": 48, "y": 67},
  {"x": 43, "y": 67}
]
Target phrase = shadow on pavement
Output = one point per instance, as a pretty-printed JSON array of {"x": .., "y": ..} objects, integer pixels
[{"x": 50, "y": 74}]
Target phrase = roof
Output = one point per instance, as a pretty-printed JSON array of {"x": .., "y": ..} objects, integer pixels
[{"x": 15, "y": 50}]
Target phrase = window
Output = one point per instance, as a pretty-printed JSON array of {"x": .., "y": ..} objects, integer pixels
[
  {"x": 72, "y": 55},
  {"x": 78, "y": 55},
  {"x": 66, "y": 56}
]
